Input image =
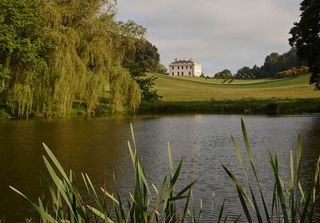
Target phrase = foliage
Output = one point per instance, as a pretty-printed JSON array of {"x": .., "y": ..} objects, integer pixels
[
  {"x": 144, "y": 204},
  {"x": 273, "y": 64},
  {"x": 245, "y": 73},
  {"x": 55, "y": 53},
  {"x": 225, "y": 74},
  {"x": 239, "y": 106},
  {"x": 131, "y": 29},
  {"x": 161, "y": 69},
  {"x": 20, "y": 48},
  {"x": 290, "y": 204},
  {"x": 292, "y": 72},
  {"x": 140, "y": 57},
  {"x": 306, "y": 37}
]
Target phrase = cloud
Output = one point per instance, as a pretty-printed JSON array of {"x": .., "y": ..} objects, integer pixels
[{"x": 218, "y": 34}]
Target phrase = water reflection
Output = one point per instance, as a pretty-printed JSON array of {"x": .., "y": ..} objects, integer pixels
[
  {"x": 99, "y": 148},
  {"x": 311, "y": 151}
]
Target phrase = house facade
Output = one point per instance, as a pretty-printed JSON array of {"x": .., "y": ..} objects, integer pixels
[{"x": 184, "y": 67}]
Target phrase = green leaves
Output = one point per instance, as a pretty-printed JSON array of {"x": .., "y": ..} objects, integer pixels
[
  {"x": 64, "y": 203},
  {"x": 56, "y": 53},
  {"x": 292, "y": 204},
  {"x": 305, "y": 38},
  {"x": 68, "y": 206}
]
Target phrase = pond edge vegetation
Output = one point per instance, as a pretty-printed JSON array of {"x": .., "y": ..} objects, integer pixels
[
  {"x": 244, "y": 106},
  {"x": 150, "y": 203}
]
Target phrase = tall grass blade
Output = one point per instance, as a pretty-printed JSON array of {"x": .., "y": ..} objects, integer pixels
[
  {"x": 279, "y": 184},
  {"x": 221, "y": 211},
  {"x": 59, "y": 185},
  {"x": 56, "y": 163},
  {"x": 244, "y": 205},
  {"x": 256, "y": 207},
  {"x": 33, "y": 205},
  {"x": 110, "y": 196},
  {"x": 170, "y": 159},
  {"x": 132, "y": 135},
  {"x": 291, "y": 194},
  {"x": 241, "y": 194},
  {"x": 185, "y": 210},
  {"x": 246, "y": 140},
  {"x": 238, "y": 153}
]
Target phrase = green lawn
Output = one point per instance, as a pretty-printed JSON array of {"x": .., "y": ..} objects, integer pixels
[{"x": 201, "y": 89}]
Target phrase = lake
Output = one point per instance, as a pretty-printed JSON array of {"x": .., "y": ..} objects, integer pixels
[{"x": 99, "y": 148}]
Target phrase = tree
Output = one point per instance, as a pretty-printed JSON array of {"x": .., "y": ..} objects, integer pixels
[
  {"x": 161, "y": 69},
  {"x": 20, "y": 48},
  {"x": 140, "y": 57},
  {"x": 273, "y": 64},
  {"x": 57, "y": 53},
  {"x": 225, "y": 74},
  {"x": 306, "y": 38},
  {"x": 244, "y": 73}
]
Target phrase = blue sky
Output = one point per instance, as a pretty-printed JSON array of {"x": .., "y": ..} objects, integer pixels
[{"x": 219, "y": 34}]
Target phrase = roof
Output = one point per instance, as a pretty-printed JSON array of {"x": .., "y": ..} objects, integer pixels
[{"x": 182, "y": 61}]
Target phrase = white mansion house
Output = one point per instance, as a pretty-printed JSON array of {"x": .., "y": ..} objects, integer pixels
[{"x": 185, "y": 67}]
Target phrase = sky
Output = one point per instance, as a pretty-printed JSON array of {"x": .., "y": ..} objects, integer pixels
[{"x": 218, "y": 34}]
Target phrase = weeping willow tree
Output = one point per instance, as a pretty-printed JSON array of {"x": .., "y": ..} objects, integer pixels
[
  {"x": 71, "y": 55},
  {"x": 20, "y": 62}
]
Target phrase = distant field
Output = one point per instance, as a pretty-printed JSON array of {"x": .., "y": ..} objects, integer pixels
[{"x": 201, "y": 89}]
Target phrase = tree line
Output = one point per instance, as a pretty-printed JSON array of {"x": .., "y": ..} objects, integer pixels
[
  {"x": 303, "y": 57},
  {"x": 275, "y": 66},
  {"x": 54, "y": 53}
]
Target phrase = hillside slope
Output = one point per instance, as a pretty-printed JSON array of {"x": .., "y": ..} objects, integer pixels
[{"x": 201, "y": 89}]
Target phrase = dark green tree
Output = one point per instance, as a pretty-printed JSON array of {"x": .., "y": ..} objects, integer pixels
[
  {"x": 225, "y": 74},
  {"x": 273, "y": 64},
  {"x": 140, "y": 57},
  {"x": 244, "y": 73},
  {"x": 306, "y": 38},
  {"x": 21, "y": 26}
]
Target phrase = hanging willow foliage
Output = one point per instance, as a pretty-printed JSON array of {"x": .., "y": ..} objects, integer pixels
[
  {"x": 75, "y": 59},
  {"x": 125, "y": 93}
]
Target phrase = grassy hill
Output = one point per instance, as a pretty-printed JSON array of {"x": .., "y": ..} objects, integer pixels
[{"x": 201, "y": 89}]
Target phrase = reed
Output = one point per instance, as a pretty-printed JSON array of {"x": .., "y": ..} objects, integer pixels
[
  {"x": 145, "y": 204},
  {"x": 290, "y": 203},
  {"x": 148, "y": 203}
]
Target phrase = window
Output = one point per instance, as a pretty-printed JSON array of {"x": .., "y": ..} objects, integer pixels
[
  {"x": 178, "y": 68},
  {"x": 182, "y": 73},
  {"x": 189, "y": 73},
  {"x": 172, "y": 73},
  {"x": 178, "y": 73}
]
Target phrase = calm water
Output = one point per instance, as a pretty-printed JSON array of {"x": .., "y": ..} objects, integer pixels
[{"x": 99, "y": 147}]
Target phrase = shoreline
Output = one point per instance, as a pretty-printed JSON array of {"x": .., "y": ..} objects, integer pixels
[
  {"x": 243, "y": 106},
  {"x": 223, "y": 107}
]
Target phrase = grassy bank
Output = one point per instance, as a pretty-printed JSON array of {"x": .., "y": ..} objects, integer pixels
[
  {"x": 201, "y": 89},
  {"x": 263, "y": 96},
  {"x": 200, "y": 95},
  {"x": 243, "y": 106}
]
